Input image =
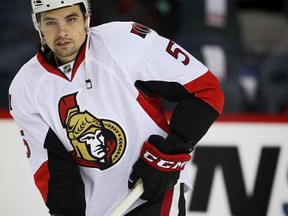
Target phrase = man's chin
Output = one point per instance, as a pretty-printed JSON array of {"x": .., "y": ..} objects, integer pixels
[{"x": 66, "y": 56}]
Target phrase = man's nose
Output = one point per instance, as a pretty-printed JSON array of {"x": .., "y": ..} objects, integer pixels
[{"x": 62, "y": 30}]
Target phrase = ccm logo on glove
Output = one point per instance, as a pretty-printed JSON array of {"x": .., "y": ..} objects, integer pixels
[{"x": 163, "y": 162}]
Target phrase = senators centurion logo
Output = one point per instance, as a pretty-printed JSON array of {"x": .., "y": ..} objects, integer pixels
[
  {"x": 98, "y": 143},
  {"x": 140, "y": 30}
]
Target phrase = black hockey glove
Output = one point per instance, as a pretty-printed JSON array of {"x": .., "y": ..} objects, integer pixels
[{"x": 159, "y": 166}]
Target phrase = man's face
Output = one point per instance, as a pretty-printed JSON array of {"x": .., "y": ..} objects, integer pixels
[{"x": 64, "y": 31}]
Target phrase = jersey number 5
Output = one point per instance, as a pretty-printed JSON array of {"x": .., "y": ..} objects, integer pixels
[
  {"x": 28, "y": 152},
  {"x": 176, "y": 52}
]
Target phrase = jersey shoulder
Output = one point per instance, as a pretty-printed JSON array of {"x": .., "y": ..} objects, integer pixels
[
  {"x": 123, "y": 40},
  {"x": 26, "y": 78},
  {"x": 129, "y": 30}
]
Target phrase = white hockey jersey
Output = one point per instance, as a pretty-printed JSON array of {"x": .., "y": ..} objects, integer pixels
[{"x": 102, "y": 128}]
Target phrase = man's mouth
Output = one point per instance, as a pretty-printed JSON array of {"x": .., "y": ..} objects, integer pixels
[{"x": 62, "y": 43}]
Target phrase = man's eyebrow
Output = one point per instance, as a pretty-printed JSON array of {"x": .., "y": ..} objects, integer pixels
[
  {"x": 68, "y": 16},
  {"x": 48, "y": 18},
  {"x": 72, "y": 15}
]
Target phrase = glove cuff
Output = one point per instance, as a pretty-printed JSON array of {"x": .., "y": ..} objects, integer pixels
[{"x": 163, "y": 162}]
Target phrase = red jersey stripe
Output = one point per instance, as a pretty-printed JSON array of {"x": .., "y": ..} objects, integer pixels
[
  {"x": 41, "y": 178},
  {"x": 206, "y": 87}
]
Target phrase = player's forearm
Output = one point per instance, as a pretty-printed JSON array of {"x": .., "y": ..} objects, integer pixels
[
  {"x": 199, "y": 103},
  {"x": 195, "y": 113},
  {"x": 191, "y": 120},
  {"x": 65, "y": 187}
]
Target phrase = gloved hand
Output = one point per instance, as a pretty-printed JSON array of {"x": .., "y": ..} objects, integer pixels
[{"x": 158, "y": 167}]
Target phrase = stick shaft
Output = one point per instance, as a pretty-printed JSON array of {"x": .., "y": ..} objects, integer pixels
[{"x": 128, "y": 200}]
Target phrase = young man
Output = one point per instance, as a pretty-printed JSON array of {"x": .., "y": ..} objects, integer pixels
[{"x": 88, "y": 108}]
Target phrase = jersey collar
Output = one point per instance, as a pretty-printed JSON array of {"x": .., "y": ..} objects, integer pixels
[{"x": 52, "y": 68}]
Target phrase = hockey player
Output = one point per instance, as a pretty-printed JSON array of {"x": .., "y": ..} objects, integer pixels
[{"x": 88, "y": 108}]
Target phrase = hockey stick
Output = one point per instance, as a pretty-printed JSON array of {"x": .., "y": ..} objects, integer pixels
[{"x": 129, "y": 199}]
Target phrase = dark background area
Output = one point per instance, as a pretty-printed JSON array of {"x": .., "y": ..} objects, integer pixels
[{"x": 244, "y": 42}]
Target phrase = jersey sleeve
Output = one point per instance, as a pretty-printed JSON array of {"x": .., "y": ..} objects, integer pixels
[
  {"x": 33, "y": 131},
  {"x": 55, "y": 174},
  {"x": 163, "y": 68},
  {"x": 166, "y": 61},
  {"x": 163, "y": 59}
]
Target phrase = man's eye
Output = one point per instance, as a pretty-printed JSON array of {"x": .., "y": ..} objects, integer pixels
[
  {"x": 71, "y": 20},
  {"x": 50, "y": 23}
]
